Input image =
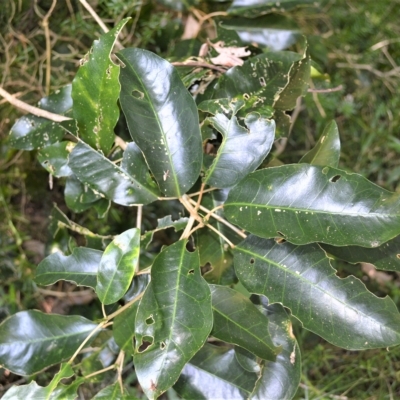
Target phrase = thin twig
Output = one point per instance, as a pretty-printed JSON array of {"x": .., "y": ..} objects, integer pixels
[
  {"x": 125, "y": 306},
  {"x": 222, "y": 220},
  {"x": 120, "y": 143},
  {"x": 198, "y": 64},
  {"x": 100, "y": 371},
  {"x": 45, "y": 24},
  {"x": 120, "y": 366},
  {"x": 329, "y": 90},
  {"x": 31, "y": 109},
  {"x": 139, "y": 216},
  {"x": 99, "y": 21},
  {"x": 220, "y": 234},
  {"x": 103, "y": 311}
]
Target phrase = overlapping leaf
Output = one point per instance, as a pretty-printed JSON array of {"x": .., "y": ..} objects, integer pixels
[
  {"x": 341, "y": 311},
  {"x": 31, "y": 341},
  {"x": 173, "y": 320},
  {"x": 95, "y": 91},
  {"x": 326, "y": 152},
  {"x": 126, "y": 185},
  {"x": 112, "y": 392},
  {"x": 162, "y": 119},
  {"x": 117, "y": 266},
  {"x": 31, "y": 132},
  {"x": 54, "y": 158},
  {"x": 215, "y": 373},
  {"x": 305, "y": 204},
  {"x": 254, "y": 8},
  {"x": 124, "y": 328},
  {"x": 80, "y": 267},
  {"x": 385, "y": 257},
  {"x": 237, "y": 320},
  {"x": 242, "y": 149},
  {"x": 279, "y": 379}
]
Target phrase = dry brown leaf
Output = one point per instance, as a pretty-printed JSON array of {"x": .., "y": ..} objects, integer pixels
[{"x": 228, "y": 56}]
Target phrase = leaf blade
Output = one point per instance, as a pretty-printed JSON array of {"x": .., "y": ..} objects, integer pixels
[
  {"x": 176, "y": 284},
  {"x": 346, "y": 313},
  {"x": 117, "y": 266},
  {"x": 162, "y": 119},
  {"x": 345, "y": 209}
]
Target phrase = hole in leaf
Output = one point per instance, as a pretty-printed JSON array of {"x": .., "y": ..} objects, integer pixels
[
  {"x": 246, "y": 96},
  {"x": 150, "y": 320},
  {"x": 191, "y": 271},
  {"x": 262, "y": 81},
  {"x": 147, "y": 341},
  {"x": 163, "y": 345},
  {"x": 189, "y": 247},
  {"x": 280, "y": 240},
  {"x": 335, "y": 178},
  {"x": 137, "y": 94},
  {"x": 398, "y": 256},
  {"x": 252, "y": 260},
  {"x": 206, "y": 268},
  {"x": 45, "y": 162}
]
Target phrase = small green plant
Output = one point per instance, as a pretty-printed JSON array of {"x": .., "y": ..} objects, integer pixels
[{"x": 209, "y": 315}]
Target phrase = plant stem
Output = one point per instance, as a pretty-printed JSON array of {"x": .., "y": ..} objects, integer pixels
[
  {"x": 125, "y": 306},
  {"x": 222, "y": 220},
  {"x": 100, "y": 371}
]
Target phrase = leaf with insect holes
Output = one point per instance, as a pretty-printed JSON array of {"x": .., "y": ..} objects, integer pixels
[
  {"x": 162, "y": 119},
  {"x": 117, "y": 266},
  {"x": 95, "y": 91},
  {"x": 173, "y": 321},
  {"x": 304, "y": 203}
]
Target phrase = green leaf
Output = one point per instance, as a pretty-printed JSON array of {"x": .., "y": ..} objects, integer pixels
[
  {"x": 342, "y": 311},
  {"x": 279, "y": 379},
  {"x": 80, "y": 268},
  {"x": 237, "y": 320},
  {"x": 242, "y": 149},
  {"x": 78, "y": 196},
  {"x": 255, "y": 8},
  {"x": 124, "y": 328},
  {"x": 274, "y": 31},
  {"x": 162, "y": 119},
  {"x": 297, "y": 83},
  {"x": 215, "y": 373},
  {"x": 31, "y": 132},
  {"x": 95, "y": 91},
  {"x": 31, "y": 341},
  {"x": 50, "y": 392},
  {"x": 54, "y": 158},
  {"x": 173, "y": 320},
  {"x": 327, "y": 149},
  {"x": 120, "y": 184},
  {"x": 117, "y": 266},
  {"x": 385, "y": 257},
  {"x": 304, "y": 204},
  {"x": 113, "y": 392}
]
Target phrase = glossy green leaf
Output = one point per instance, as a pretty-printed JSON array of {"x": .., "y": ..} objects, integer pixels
[
  {"x": 274, "y": 31},
  {"x": 31, "y": 132},
  {"x": 123, "y": 185},
  {"x": 50, "y": 392},
  {"x": 78, "y": 196},
  {"x": 215, "y": 373},
  {"x": 342, "y": 311},
  {"x": 242, "y": 149},
  {"x": 80, "y": 268},
  {"x": 113, "y": 392},
  {"x": 95, "y": 91},
  {"x": 54, "y": 158},
  {"x": 304, "y": 204},
  {"x": 162, "y": 119},
  {"x": 173, "y": 321},
  {"x": 32, "y": 341},
  {"x": 237, "y": 320},
  {"x": 262, "y": 76},
  {"x": 385, "y": 257},
  {"x": 117, "y": 266},
  {"x": 279, "y": 379},
  {"x": 255, "y": 8},
  {"x": 215, "y": 255},
  {"x": 124, "y": 328},
  {"x": 327, "y": 149},
  {"x": 298, "y": 80}
]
